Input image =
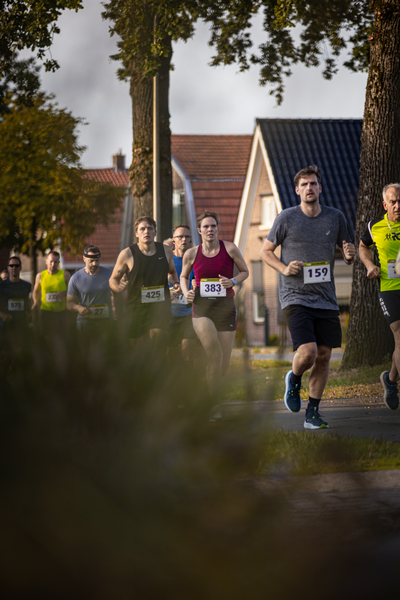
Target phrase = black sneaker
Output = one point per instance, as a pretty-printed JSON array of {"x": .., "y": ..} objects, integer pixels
[
  {"x": 390, "y": 393},
  {"x": 313, "y": 419},
  {"x": 292, "y": 394}
]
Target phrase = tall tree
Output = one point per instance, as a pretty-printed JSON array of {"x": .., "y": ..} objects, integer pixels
[
  {"x": 146, "y": 29},
  {"x": 44, "y": 195},
  {"x": 30, "y": 24}
]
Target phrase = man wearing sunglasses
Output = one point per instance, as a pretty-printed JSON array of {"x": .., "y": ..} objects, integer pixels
[{"x": 14, "y": 303}]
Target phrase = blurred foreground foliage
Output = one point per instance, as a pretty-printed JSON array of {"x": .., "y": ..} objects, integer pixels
[{"x": 114, "y": 484}]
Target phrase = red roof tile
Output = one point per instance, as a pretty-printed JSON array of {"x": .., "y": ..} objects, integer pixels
[
  {"x": 212, "y": 156},
  {"x": 217, "y": 166}
]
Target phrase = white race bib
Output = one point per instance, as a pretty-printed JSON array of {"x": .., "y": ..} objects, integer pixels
[
  {"x": 99, "y": 311},
  {"x": 318, "y": 272},
  {"x": 211, "y": 288},
  {"x": 153, "y": 294},
  {"x": 16, "y": 305},
  {"x": 179, "y": 300},
  {"x": 391, "y": 272},
  {"x": 52, "y": 297}
]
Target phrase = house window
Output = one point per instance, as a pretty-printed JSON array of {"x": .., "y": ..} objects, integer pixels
[
  {"x": 178, "y": 208},
  {"x": 258, "y": 291},
  {"x": 258, "y": 307},
  {"x": 268, "y": 211}
]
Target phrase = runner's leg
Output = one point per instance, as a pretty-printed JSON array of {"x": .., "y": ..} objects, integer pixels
[
  {"x": 304, "y": 358},
  {"x": 226, "y": 339},
  {"x": 208, "y": 336},
  {"x": 395, "y": 370},
  {"x": 320, "y": 371}
]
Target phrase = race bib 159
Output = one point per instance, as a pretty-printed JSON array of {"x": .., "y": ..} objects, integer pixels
[{"x": 318, "y": 272}]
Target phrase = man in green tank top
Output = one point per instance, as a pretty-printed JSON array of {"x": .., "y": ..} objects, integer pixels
[
  {"x": 50, "y": 294},
  {"x": 382, "y": 235}
]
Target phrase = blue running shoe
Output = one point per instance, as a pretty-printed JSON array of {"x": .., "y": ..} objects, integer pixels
[
  {"x": 390, "y": 393},
  {"x": 292, "y": 394},
  {"x": 313, "y": 419}
]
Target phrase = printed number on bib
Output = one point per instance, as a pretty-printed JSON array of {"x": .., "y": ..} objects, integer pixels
[
  {"x": 391, "y": 272},
  {"x": 99, "y": 311},
  {"x": 179, "y": 299},
  {"x": 153, "y": 294},
  {"x": 318, "y": 272},
  {"x": 211, "y": 288},
  {"x": 16, "y": 305},
  {"x": 52, "y": 297}
]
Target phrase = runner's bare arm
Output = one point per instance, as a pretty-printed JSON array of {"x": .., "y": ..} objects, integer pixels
[
  {"x": 239, "y": 261},
  {"x": 173, "y": 275},
  {"x": 73, "y": 304},
  {"x": 268, "y": 255},
  {"x": 188, "y": 260},
  {"x": 121, "y": 267},
  {"x": 36, "y": 291},
  {"x": 373, "y": 271}
]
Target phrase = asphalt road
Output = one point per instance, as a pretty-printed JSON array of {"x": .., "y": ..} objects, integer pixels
[{"x": 357, "y": 417}]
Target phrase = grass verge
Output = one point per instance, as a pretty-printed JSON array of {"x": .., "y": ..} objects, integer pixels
[{"x": 304, "y": 454}]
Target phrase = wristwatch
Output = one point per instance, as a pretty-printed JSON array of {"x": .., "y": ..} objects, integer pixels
[{"x": 234, "y": 281}]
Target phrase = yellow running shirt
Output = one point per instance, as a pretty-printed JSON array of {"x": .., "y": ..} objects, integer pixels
[
  {"x": 384, "y": 235},
  {"x": 50, "y": 285}
]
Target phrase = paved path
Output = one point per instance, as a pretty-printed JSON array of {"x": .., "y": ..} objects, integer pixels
[{"x": 357, "y": 417}]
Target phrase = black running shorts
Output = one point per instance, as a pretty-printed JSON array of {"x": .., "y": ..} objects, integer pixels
[
  {"x": 221, "y": 311},
  {"x": 390, "y": 305},
  {"x": 316, "y": 325}
]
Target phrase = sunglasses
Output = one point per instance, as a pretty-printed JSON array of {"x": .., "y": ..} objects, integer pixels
[{"x": 14, "y": 266}]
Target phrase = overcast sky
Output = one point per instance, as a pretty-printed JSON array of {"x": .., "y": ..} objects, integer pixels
[{"x": 202, "y": 99}]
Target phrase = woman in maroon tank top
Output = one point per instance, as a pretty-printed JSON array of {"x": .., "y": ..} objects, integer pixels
[{"x": 213, "y": 309}]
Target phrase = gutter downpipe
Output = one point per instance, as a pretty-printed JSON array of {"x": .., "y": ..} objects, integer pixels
[{"x": 189, "y": 200}]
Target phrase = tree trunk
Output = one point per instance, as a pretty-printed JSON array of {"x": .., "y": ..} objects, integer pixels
[
  {"x": 33, "y": 252},
  {"x": 141, "y": 169},
  {"x": 369, "y": 339}
]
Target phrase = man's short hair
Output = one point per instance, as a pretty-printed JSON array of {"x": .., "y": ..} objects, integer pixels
[
  {"x": 389, "y": 185},
  {"x": 54, "y": 252},
  {"x": 179, "y": 226},
  {"x": 310, "y": 170},
  {"x": 14, "y": 258},
  {"x": 149, "y": 220},
  {"x": 206, "y": 214},
  {"x": 92, "y": 249}
]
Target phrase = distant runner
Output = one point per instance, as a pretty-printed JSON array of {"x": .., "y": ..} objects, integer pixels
[
  {"x": 144, "y": 270},
  {"x": 89, "y": 295},
  {"x": 383, "y": 236},
  {"x": 308, "y": 235},
  {"x": 15, "y": 305},
  {"x": 213, "y": 311},
  {"x": 181, "y": 329},
  {"x": 50, "y": 295}
]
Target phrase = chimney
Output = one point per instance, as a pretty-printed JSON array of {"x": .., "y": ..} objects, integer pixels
[{"x": 119, "y": 161}]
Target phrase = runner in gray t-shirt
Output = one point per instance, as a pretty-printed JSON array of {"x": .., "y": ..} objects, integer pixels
[
  {"x": 89, "y": 293},
  {"x": 308, "y": 235}
]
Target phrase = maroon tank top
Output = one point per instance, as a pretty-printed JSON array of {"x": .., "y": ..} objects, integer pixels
[{"x": 211, "y": 268}]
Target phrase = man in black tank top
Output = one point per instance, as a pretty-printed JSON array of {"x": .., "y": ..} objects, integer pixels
[{"x": 144, "y": 271}]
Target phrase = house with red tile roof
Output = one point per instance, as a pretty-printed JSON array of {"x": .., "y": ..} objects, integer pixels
[
  {"x": 111, "y": 239},
  {"x": 209, "y": 172}
]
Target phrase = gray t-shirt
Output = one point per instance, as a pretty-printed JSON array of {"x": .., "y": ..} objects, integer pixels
[
  {"x": 92, "y": 291},
  {"x": 310, "y": 240}
]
